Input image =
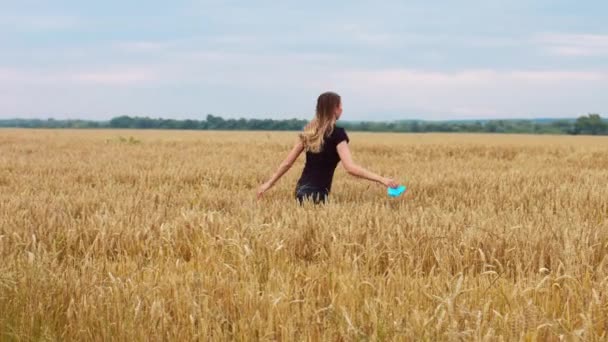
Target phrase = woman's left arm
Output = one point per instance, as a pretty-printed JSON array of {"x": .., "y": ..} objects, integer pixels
[{"x": 284, "y": 167}]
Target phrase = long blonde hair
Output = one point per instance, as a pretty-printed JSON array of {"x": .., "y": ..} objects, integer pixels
[{"x": 322, "y": 125}]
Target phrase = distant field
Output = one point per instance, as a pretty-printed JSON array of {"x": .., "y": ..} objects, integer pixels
[{"x": 156, "y": 235}]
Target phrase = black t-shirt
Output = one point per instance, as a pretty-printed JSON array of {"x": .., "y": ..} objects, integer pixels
[{"x": 319, "y": 168}]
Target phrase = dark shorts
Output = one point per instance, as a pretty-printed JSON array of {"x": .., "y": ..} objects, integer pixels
[{"x": 311, "y": 193}]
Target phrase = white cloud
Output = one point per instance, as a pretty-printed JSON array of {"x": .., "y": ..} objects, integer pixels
[
  {"x": 472, "y": 77},
  {"x": 143, "y": 46},
  {"x": 33, "y": 22},
  {"x": 123, "y": 76},
  {"x": 279, "y": 81},
  {"x": 555, "y": 76},
  {"x": 360, "y": 34},
  {"x": 575, "y": 45},
  {"x": 283, "y": 82},
  {"x": 405, "y": 58},
  {"x": 473, "y": 93},
  {"x": 131, "y": 76}
]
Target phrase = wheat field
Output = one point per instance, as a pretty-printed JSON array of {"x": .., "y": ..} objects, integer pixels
[{"x": 122, "y": 235}]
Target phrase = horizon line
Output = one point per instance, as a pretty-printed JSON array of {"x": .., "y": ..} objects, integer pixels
[{"x": 295, "y": 118}]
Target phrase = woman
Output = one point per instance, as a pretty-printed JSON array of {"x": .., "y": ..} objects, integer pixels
[{"x": 325, "y": 146}]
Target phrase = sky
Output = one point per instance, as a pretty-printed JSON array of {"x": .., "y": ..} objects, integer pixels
[{"x": 388, "y": 60}]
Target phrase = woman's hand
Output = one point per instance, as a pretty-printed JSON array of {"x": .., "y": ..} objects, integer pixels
[
  {"x": 285, "y": 165},
  {"x": 389, "y": 183},
  {"x": 262, "y": 189}
]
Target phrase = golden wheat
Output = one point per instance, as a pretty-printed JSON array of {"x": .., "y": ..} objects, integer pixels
[{"x": 156, "y": 235}]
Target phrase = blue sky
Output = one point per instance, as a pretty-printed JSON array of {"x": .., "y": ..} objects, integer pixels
[{"x": 388, "y": 59}]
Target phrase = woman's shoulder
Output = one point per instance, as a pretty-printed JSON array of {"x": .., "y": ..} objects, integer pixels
[
  {"x": 339, "y": 134},
  {"x": 339, "y": 130}
]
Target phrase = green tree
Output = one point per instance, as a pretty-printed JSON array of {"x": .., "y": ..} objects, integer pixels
[
  {"x": 590, "y": 124},
  {"x": 121, "y": 122}
]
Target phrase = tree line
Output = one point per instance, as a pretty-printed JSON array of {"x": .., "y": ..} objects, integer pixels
[{"x": 591, "y": 124}]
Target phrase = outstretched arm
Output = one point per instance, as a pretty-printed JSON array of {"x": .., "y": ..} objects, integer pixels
[
  {"x": 357, "y": 171},
  {"x": 284, "y": 167}
]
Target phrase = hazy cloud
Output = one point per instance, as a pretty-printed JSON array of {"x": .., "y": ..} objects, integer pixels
[
  {"x": 389, "y": 60},
  {"x": 575, "y": 45}
]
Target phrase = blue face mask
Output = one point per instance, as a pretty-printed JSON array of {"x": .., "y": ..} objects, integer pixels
[{"x": 396, "y": 192}]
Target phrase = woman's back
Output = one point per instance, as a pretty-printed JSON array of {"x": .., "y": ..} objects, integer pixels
[{"x": 319, "y": 168}]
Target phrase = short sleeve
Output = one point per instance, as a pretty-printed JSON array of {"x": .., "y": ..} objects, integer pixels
[{"x": 340, "y": 135}]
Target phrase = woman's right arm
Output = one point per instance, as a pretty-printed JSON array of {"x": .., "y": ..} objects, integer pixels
[{"x": 357, "y": 171}]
